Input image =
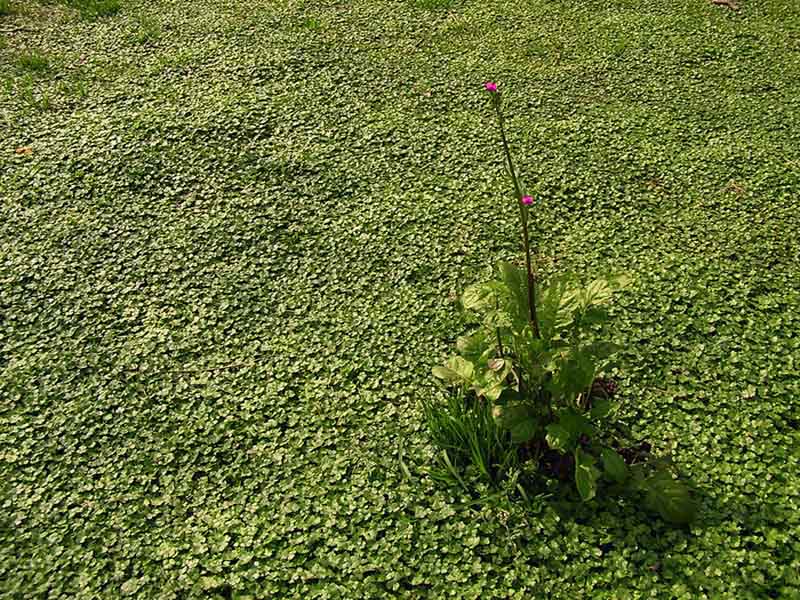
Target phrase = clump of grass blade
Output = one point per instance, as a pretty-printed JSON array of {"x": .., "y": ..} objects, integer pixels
[
  {"x": 470, "y": 438},
  {"x": 33, "y": 62}
]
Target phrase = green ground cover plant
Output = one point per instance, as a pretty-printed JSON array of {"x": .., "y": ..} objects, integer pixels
[{"x": 230, "y": 257}]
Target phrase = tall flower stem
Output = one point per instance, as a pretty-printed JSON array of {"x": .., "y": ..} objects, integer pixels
[{"x": 523, "y": 213}]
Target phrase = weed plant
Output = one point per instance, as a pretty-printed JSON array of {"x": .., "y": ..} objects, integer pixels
[{"x": 532, "y": 363}]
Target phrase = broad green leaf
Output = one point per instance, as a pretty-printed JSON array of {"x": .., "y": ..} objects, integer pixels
[
  {"x": 563, "y": 435},
  {"x": 620, "y": 281},
  {"x": 568, "y": 304},
  {"x": 497, "y": 319},
  {"x": 638, "y": 476},
  {"x": 574, "y": 374},
  {"x": 601, "y": 290},
  {"x": 457, "y": 369},
  {"x": 446, "y": 374},
  {"x": 574, "y": 422},
  {"x": 602, "y": 350},
  {"x": 594, "y": 315},
  {"x": 496, "y": 379},
  {"x": 521, "y": 421},
  {"x": 596, "y": 292},
  {"x": 482, "y": 296},
  {"x": 614, "y": 465},
  {"x": 586, "y": 475},
  {"x": 461, "y": 366},
  {"x": 559, "y": 438},
  {"x": 491, "y": 390},
  {"x": 557, "y": 305},
  {"x": 473, "y": 347},
  {"x": 600, "y": 408},
  {"x": 516, "y": 280},
  {"x": 670, "y": 498}
]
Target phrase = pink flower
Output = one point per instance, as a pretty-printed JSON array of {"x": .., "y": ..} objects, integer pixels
[
  {"x": 490, "y": 86},
  {"x": 527, "y": 200}
]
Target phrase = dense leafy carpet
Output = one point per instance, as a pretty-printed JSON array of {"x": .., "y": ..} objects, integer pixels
[{"x": 231, "y": 234}]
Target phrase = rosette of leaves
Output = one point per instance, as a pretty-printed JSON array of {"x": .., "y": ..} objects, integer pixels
[{"x": 541, "y": 389}]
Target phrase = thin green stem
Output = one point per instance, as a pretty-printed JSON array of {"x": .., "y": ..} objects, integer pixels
[
  {"x": 523, "y": 219},
  {"x": 499, "y": 339}
]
